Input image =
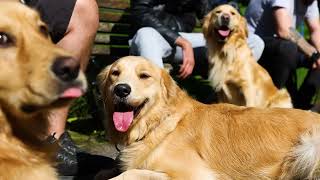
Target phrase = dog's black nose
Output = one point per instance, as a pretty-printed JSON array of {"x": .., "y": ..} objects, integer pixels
[
  {"x": 66, "y": 68},
  {"x": 122, "y": 90},
  {"x": 225, "y": 18}
]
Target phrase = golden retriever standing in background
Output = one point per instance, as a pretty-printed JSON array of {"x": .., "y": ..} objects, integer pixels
[
  {"x": 233, "y": 71},
  {"x": 35, "y": 76},
  {"x": 168, "y": 135}
]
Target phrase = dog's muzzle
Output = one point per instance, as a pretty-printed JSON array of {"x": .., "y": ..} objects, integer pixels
[
  {"x": 223, "y": 31},
  {"x": 225, "y": 20}
]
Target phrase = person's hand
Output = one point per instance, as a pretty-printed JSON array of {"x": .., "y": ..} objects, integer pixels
[
  {"x": 315, "y": 58},
  {"x": 188, "y": 57},
  {"x": 316, "y": 65}
]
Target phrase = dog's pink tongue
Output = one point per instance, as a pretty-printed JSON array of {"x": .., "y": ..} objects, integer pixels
[
  {"x": 122, "y": 120},
  {"x": 224, "y": 33},
  {"x": 72, "y": 93}
]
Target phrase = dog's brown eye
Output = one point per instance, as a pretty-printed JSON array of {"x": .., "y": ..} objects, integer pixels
[
  {"x": 5, "y": 40},
  {"x": 218, "y": 12},
  {"x": 144, "y": 76},
  {"x": 44, "y": 30},
  {"x": 233, "y": 13},
  {"x": 115, "y": 73}
]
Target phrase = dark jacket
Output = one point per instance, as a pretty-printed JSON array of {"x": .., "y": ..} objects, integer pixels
[{"x": 168, "y": 17}]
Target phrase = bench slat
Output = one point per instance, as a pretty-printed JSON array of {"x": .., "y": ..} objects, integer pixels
[
  {"x": 104, "y": 38},
  {"x": 116, "y": 4},
  {"x": 114, "y": 16},
  {"x": 100, "y": 49},
  {"x": 117, "y": 28}
]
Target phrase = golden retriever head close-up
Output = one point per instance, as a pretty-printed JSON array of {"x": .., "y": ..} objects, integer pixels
[
  {"x": 224, "y": 22},
  {"x": 132, "y": 88},
  {"x": 35, "y": 75}
]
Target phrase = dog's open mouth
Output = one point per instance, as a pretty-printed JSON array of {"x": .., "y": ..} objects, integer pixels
[
  {"x": 69, "y": 94},
  {"x": 62, "y": 99},
  {"x": 223, "y": 32},
  {"x": 124, "y": 114}
]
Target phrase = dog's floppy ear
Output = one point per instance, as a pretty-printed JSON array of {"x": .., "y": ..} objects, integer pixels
[
  {"x": 206, "y": 27},
  {"x": 169, "y": 86},
  {"x": 102, "y": 80},
  {"x": 243, "y": 27}
]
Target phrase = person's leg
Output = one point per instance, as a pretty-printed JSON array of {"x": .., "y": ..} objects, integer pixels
[
  {"x": 149, "y": 44},
  {"x": 308, "y": 90},
  {"x": 256, "y": 44},
  {"x": 309, "y": 86},
  {"x": 78, "y": 39},
  {"x": 57, "y": 120},
  {"x": 196, "y": 39},
  {"x": 279, "y": 58}
]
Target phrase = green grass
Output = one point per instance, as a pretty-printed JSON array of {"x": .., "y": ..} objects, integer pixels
[{"x": 301, "y": 74}]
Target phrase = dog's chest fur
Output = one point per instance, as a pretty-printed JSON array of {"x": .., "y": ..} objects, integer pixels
[
  {"x": 220, "y": 62},
  {"x": 20, "y": 158},
  {"x": 142, "y": 153}
]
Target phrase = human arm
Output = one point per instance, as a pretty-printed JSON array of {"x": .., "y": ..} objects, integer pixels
[
  {"x": 188, "y": 57},
  {"x": 314, "y": 27},
  {"x": 81, "y": 31},
  {"x": 284, "y": 30},
  {"x": 283, "y": 22}
]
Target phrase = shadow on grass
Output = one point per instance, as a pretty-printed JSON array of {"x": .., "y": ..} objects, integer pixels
[{"x": 198, "y": 88}]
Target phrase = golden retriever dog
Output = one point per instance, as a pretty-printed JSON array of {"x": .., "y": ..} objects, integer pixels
[
  {"x": 168, "y": 135},
  {"x": 35, "y": 76},
  {"x": 234, "y": 73}
]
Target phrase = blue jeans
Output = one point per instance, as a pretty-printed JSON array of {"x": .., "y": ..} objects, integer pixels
[{"x": 149, "y": 43}]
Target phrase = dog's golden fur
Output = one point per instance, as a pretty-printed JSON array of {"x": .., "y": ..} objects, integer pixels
[
  {"x": 176, "y": 137},
  {"x": 28, "y": 90},
  {"x": 233, "y": 72}
]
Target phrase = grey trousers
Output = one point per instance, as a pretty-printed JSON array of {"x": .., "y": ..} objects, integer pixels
[{"x": 149, "y": 43}]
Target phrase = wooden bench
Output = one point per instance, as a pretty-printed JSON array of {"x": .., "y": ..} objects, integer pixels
[{"x": 112, "y": 37}]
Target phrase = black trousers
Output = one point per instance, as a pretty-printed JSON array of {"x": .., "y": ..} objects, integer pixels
[{"x": 281, "y": 58}]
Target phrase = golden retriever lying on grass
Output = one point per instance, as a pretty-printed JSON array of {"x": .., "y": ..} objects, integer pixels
[
  {"x": 35, "y": 76},
  {"x": 233, "y": 72},
  {"x": 168, "y": 135}
]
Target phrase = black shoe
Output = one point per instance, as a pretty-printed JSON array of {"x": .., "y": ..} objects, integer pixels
[
  {"x": 67, "y": 156},
  {"x": 73, "y": 162}
]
